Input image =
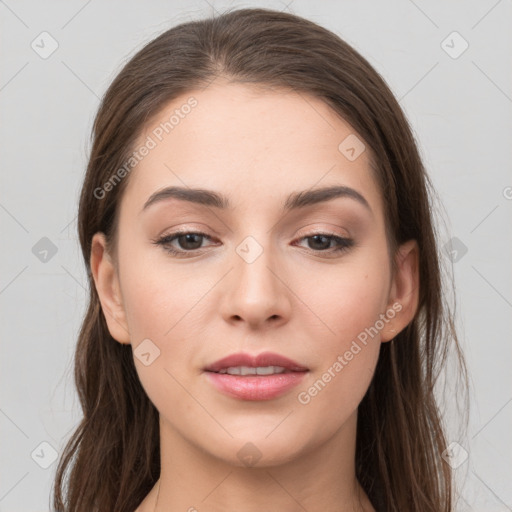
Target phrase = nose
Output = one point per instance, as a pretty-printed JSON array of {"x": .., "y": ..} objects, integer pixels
[{"x": 255, "y": 291}]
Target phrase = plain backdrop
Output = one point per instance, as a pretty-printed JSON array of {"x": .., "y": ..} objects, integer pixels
[{"x": 456, "y": 89}]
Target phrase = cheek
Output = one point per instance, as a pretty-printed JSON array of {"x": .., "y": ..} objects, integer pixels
[
  {"x": 345, "y": 358},
  {"x": 346, "y": 300},
  {"x": 163, "y": 307},
  {"x": 349, "y": 303},
  {"x": 161, "y": 298}
]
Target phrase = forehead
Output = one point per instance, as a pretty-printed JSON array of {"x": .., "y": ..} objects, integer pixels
[{"x": 249, "y": 142}]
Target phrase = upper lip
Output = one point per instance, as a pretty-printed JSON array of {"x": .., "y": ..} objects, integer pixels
[{"x": 263, "y": 359}]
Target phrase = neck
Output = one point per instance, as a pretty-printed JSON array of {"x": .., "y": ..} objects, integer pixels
[{"x": 320, "y": 478}]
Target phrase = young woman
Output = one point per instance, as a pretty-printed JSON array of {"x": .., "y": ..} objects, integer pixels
[{"x": 267, "y": 318}]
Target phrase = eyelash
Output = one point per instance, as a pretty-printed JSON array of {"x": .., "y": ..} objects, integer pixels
[{"x": 344, "y": 243}]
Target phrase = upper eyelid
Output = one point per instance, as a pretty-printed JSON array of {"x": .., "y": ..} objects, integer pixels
[{"x": 312, "y": 232}]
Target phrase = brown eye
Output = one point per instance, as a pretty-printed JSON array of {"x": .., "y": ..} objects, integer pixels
[
  {"x": 321, "y": 242},
  {"x": 190, "y": 241},
  {"x": 186, "y": 242}
]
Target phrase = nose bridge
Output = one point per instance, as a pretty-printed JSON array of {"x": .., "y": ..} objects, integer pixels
[
  {"x": 256, "y": 293},
  {"x": 253, "y": 266}
]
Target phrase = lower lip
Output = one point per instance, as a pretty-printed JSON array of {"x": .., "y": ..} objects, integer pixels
[{"x": 264, "y": 387}]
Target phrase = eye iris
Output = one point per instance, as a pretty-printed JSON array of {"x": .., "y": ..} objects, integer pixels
[
  {"x": 189, "y": 237},
  {"x": 322, "y": 246}
]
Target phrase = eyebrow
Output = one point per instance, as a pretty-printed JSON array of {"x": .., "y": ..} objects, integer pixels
[{"x": 294, "y": 201}]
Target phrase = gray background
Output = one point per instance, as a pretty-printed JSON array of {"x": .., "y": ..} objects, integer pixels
[{"x": 460, "y": 109}]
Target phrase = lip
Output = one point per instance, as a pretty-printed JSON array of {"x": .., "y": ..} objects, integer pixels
[
  {"x": 249, "y": 387},
  {"x": 263, "y": 359}
]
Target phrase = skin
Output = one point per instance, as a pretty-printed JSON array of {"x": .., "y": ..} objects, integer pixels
[{"x": 255, "y": 146}]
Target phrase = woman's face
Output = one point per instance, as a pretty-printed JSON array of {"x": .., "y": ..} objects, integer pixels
[{"x": 307, "y": 277}]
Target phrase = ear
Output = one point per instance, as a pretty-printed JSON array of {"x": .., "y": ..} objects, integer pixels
[
  {"x": 107, "y": 286},
  {"x": 404, "y": 292}
]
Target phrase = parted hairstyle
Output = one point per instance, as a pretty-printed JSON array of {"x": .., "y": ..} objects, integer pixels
[{"x": 112, "y": 460}]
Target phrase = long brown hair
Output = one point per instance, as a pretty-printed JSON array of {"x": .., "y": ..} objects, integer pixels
[{"x": 112, "y": 460}]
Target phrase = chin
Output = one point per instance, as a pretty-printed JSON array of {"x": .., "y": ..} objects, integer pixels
[{"x": 256, "y": 451}]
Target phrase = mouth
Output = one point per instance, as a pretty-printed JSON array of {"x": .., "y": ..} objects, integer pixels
[
  {"x": 258, "y": 370},
  {"x": 263, "y": 377},
  {"x": 266, "y": 363}
]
